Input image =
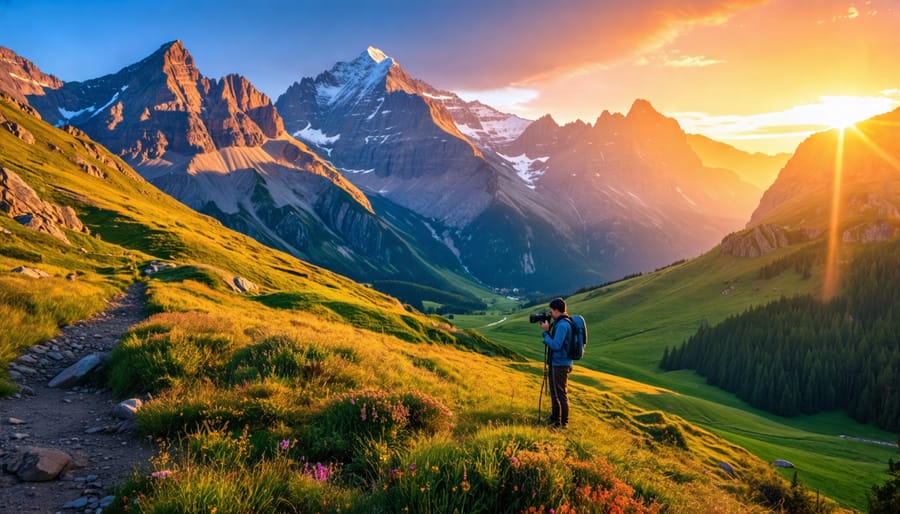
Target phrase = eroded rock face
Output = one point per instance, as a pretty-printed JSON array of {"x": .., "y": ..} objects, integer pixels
[
  {"x": 22, "y": 203},
  {"x": 877, "y": 232},
  {"x": 17, "y": 130},
  {"x": 761, "y": 240}
]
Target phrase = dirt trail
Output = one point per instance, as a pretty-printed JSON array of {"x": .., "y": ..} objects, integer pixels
[{"x": 76, "y": 420}]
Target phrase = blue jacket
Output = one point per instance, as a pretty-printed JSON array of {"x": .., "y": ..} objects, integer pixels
[{"x": 561, "y": 329}]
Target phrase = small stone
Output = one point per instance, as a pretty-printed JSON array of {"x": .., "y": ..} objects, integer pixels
[
  {"x": 26, "y": 359},
  {"x": 24, "y": 389},
  {"x": 55, "y": 356},
  {"x": 76, "y": 504},
  {"x": 15, "y": 421},
  {"x": 39, "y": 349},
  {"x": 19, "y": 436}
]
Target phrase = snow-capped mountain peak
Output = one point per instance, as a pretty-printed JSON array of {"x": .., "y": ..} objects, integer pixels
[
  {"x": 347, "y": 81},
  {"x": 376, "y": 54}
]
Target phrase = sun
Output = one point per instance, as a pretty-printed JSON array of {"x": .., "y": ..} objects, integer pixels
[{"x": 841, "y": 112}]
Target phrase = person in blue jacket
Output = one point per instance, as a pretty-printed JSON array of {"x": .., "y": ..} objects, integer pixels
[{"x": 556, "y": 334}]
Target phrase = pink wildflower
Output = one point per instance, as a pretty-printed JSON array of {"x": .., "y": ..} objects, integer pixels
[
  {"x": 161, "y": 474},
  {"x": 285, "y": 444}
]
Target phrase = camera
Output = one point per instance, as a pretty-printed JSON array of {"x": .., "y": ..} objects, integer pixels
[{"x": 539, "y": 317}]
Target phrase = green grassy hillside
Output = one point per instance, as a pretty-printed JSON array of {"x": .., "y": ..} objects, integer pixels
[
  {"x": 632, "y": 322},
  {"x": 322, "y": 395}
]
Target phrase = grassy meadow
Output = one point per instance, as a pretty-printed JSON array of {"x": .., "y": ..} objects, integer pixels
[
  {"x": 633, "y": 321},
  {"x": 317, "y": 394}
]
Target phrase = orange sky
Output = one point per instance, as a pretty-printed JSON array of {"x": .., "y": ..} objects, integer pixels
[{"x": 758, "y": 75}]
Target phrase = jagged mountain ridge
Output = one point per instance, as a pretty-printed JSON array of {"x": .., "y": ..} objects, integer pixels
[
  {"x": 629, "y": 186},
  {"x": 389, "y": 135},
  {"x": 20, "y": 77},
  {"x": 220, "y": 147}
]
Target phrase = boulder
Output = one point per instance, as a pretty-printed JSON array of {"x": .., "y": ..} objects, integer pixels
[
  {"x": 18, "y": 131},
  {"x": 39, "y": 464},
  {"x": 242, "y": 285}
]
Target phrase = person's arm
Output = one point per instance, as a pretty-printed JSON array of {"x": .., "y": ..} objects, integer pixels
[{"x": 560, "y": 333}]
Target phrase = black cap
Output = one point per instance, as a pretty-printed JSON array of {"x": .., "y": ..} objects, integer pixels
[{"x": 558, "y": 304}]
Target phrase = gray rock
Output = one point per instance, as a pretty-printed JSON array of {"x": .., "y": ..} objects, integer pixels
[
  {"x": 75, "y": 373},
  {"x": 15, "y": 421},
  {"x": 76, "y": 504},
  {"x": 127, "y": 409},
  {"x": 782, "y": 463}
]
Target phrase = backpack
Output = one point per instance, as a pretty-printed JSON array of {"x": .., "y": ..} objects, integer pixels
[{"x": 579, "y": 339}]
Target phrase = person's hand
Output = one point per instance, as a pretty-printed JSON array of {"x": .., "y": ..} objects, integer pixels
[{"x": 545, "y": 326}]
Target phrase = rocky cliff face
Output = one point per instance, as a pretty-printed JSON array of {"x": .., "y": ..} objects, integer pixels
[
  {"x": 763, "y": 239},
  {"x": 20, "y": 78},
  {"x": 21, "y": 202},
  {"x": 163, "y": 104}
]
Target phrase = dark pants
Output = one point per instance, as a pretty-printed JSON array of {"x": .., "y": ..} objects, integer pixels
[{"x": 559, "y": 397}]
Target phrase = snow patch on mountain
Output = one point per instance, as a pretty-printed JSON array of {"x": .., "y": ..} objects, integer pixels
[
  {"x": 525, "y": 167},
  {"x": 315, "y": 136}
]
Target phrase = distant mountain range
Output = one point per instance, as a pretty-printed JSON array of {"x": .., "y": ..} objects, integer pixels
[{"x": 380, "y": 176}]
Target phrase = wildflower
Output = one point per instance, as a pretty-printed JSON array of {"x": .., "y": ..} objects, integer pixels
[
  {"x": 465, "y": 486},
  {"x": 285, "y": 444},
  {"x": 161, "y": 474},
  {"x": 352, "y": 401},
  {"x": 362, "y": 415},
  {"x": 435, "y": 469},
  {"x": 412, "y": 466}
]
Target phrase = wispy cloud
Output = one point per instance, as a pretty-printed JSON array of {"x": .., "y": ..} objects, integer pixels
[{"x": 691, "y": 61}]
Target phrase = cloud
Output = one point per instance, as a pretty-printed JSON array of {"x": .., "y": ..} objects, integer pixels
[{"x": 698, "y": 61}]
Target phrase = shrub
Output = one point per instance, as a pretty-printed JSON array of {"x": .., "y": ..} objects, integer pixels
[
  {"x": 364, "y": 429},
  {"x": 278, "y": 356},
  {"x": 169, "y": 350}
]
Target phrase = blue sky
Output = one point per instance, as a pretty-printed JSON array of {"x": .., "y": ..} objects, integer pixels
[{"x": 754, "y": 73}]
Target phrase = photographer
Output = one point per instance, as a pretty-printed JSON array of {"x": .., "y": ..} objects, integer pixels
[{"x": 556, "y": 333}]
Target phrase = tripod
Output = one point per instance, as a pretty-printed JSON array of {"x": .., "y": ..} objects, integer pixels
[{"x": 540, "y": 418}]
